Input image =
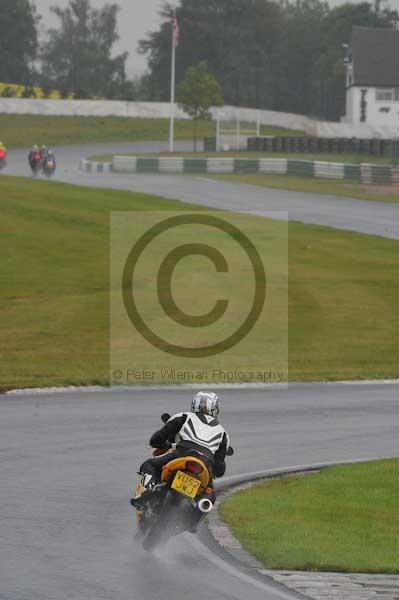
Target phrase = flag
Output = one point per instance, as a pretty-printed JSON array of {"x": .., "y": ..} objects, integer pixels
[{"x": 176, "y": 31}]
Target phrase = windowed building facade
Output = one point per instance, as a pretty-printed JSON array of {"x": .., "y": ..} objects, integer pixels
[{"x": 372, "y": 77}]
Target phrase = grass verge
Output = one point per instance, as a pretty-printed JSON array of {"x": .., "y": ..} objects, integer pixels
[
  {"x": 345, "y": 518},
  {"x": 24, "y": 130},
  {"x": 54, "y": 243},
  {"x": 330, "y": 187}
]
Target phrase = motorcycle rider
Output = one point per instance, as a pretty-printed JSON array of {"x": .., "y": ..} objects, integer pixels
[
  {"x": 43, "y": 154},
  {"x": 3, "y": 154},
  {"x": 34, "y": 156},
  {"x": 50, "y": 157},
  {"x": 197, "y": 433}
]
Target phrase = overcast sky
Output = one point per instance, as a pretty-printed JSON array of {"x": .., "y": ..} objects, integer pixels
[{"x": 136, "y": 18}]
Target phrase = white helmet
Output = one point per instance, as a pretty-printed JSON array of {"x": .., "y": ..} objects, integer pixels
[{"x": 206, "y": 403}]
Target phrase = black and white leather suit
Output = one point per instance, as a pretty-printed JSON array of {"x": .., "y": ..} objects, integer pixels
[{"x": 193, "y": 433}]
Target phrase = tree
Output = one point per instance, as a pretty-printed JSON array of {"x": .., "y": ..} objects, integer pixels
[
  {"x": 278, "y": 54},
  {"x": 299, "y": 47},
  {"x": 237, "y": 38},
  {"x": 78, "y": 56},
  {"x": 197, "y": 93},
  {"x": 18, "y": 40}
]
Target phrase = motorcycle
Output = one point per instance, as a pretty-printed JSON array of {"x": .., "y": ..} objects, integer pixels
[
  {"x": 172, "y": 506},
  {"x": 3, "y": 159},
  {"x": 49, "y": 167},
  {"x": 35, "y": 165}
]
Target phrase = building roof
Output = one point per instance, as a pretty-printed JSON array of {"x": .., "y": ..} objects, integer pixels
[{"x": 375, "y": 56}]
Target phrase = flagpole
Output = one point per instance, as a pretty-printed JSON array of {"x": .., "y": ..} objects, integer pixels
[{"x": 172, "y": 91}]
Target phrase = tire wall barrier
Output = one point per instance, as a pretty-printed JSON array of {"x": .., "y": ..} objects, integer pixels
[
  {"x": 362, "y": 173},
  {"x": 302, "y": 144}
]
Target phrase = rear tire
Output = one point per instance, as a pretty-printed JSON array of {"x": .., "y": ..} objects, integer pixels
[
  {"x": 153, "y": 538},
  {"x": 162, "y": 528}
]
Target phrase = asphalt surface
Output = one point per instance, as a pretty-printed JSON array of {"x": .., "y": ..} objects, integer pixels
[
  {"x": 68, "y": 466},
  {"x": 377, "y": 218},
  {"x": 68, "y": 461}
]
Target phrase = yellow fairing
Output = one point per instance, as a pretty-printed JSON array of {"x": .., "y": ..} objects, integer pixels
[{"x": 180, "y": 463}]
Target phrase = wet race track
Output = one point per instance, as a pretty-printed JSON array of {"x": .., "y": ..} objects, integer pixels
[
  {"x": 68, "y": 460},
  {"x": 368, "y": 217},
  {"x": 68, "y": 466}
]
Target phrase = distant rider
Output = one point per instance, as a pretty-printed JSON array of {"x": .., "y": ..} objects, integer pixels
[
  {"x": 43, "y": 154},
  {"x": 34, "y": 156},
  {"x": 3, "y": 153},
  {"x": 51, "y": 158},
  {"x": 197, "y": 433}
]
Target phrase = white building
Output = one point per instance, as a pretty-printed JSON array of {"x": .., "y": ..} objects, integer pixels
[{"x": 372, "y": 77}]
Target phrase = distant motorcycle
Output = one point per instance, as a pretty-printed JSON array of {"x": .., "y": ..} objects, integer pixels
[
  {"x": 49, "y": 166},
  {"x": 35, "y": 167},
  {"x": 3, "y": 159},
  {"x": 35, "y": 162}
]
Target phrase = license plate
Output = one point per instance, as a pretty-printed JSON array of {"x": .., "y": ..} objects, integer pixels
[{"x": 185, "y": 484}]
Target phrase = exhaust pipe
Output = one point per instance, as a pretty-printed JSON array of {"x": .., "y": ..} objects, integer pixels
[{"x": 205, "y": 505}]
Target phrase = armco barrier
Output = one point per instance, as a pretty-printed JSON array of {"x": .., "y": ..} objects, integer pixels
[
  {"x": 329, "y": 170},
  {"x": 195, "y": 165},
  {"x": 301, "y": 168},
  {"x": 362, "y": 173},
  {"x": 124, "y": 164},
  {"x": 172, "y": 165},
  {"x": 95, "y": 167},
  {"x": 246, "y": 166},
  {"x": 148, "y": 165},
  {"x": 272, "y": 165},
  {"x": 220, "y": 165},
  {"x": 352, "y": 172},
  {"x": 395, "y": 175}
]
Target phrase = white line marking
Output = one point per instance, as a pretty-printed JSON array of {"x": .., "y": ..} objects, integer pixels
[
  {"x": 224, "y": 566},
  {"x": 206, "y": 179}
]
